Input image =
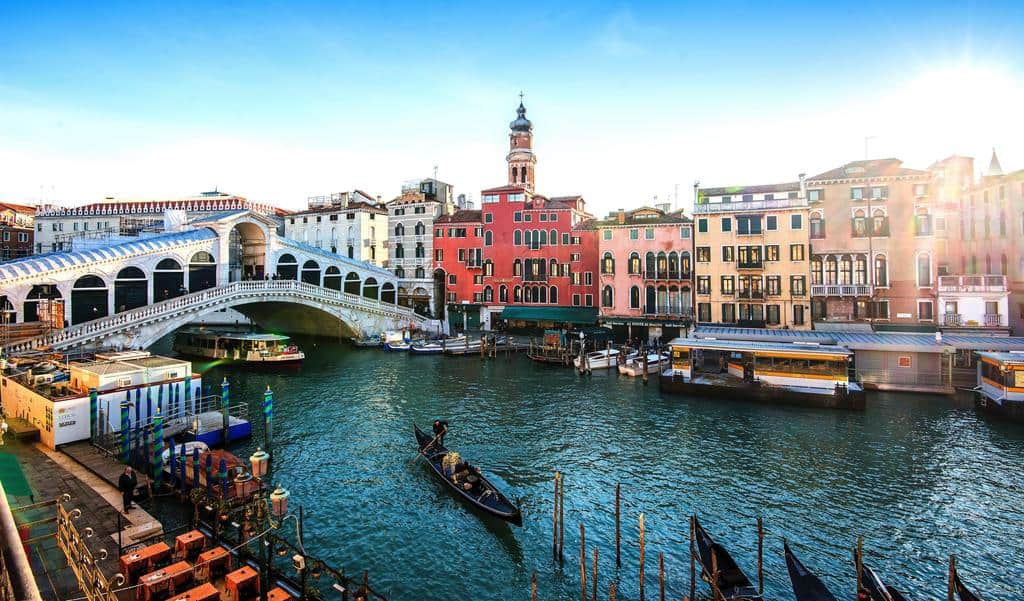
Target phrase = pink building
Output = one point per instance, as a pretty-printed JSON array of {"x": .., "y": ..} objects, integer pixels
[{"x": 645, "y": 273}]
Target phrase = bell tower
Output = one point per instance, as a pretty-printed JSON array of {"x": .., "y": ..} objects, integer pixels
[{"x": 521, "y": 160}]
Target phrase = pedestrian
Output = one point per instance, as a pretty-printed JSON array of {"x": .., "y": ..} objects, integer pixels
[
  {"x": 126, "y": 484},
  {"x": 3, "y": 430}
]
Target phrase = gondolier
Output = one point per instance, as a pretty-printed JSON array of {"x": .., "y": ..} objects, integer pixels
[{"x": 440, "y": 428}]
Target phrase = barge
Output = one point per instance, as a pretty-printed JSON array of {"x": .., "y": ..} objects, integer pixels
[{"x": 803, "y": 374}]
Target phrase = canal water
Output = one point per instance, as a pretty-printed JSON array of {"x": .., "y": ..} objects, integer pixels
[{"x": 918, "y": 477}]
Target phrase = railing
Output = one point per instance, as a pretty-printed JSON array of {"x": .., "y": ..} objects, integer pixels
[
  {"x": 972, "y": 283},
  {"x": 988, "y": 320},
  {"x": 669, "y": 310},
  {"x": 750, "y": 205},
  {"x": 134, "y": 318},
  {"x": 666, "y": 275},
  {"x": 750, "y": 265},
  {"x": 751, "y": 294},
  {"x": 841, "y": 290},
  {"x": 535, "y": 277}
]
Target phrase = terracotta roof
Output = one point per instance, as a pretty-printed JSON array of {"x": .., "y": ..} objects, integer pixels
[
  {"x": 868, "y": 169},
  {"x": 761, "y": 189},
  {"x": 352, "y": 206},
  {"x": 506, "y": 188},
  {"x": 461, "y": 216},
  {"x": 18, "y": 208},
  {"x": 662, "y": 218}
]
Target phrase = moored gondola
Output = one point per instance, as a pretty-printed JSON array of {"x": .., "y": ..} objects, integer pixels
[
  {"x": 482, "y": 494},
  {"x": 964, "y": 593},
  {"x": 732, "y": 584},
  {"x": 806, "y": 586},
  {"x": 876, "y": 590}
]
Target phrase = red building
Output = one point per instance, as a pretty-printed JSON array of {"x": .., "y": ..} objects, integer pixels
[
  {"x": 535, "y": 259},
  {"x": 458, "y": 267}
]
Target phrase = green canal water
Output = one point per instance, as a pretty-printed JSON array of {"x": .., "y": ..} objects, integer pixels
[{"x": 917, "y": 476}]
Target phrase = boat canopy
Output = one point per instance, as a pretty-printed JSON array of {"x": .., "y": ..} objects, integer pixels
[{"x": 773, "y": 349}]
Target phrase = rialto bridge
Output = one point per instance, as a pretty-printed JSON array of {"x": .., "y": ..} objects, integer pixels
[{"x": 132, "y": 293}]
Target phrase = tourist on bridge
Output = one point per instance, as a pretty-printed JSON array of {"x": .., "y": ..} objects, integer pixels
[{"x": 126, "y": 484}]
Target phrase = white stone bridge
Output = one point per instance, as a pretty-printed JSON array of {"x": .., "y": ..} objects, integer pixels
[{"x": 133, "y": 293}]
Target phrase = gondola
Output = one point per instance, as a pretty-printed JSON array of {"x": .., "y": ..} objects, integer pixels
[
  {"x": 733, "y": 584},
  {"x": 875, "y": 588},
  {"x": 486, "y": 496},
  {"x": 806, "y": 586},
  {"x": 962, "y": 591}
]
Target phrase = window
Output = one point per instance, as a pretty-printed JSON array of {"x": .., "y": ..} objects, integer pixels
[
  {"x": 576, "y": 300},
  {"x": 451, "y": 279},
  {"x": 588, "y": 300},
  {"x": 925, "y": 310},
  {"x": 924, "y": 270},
  {"x": 438, "y": 254},
  {"x": 748, "y": 225},
  {"x": 772, "y": 315},
  {"x": 773, "y": 285},
  {"x": 543, "y": 216},
  {"x": 608, "y": 263},
  {"x": 728, "y": 285},
  {"x": 634, "y": 264},
  {"x": 856, "y": 193},
  {"x": 684, "y": 232},
  {"x": 491, "y": 198},
  {"x": 771, "y": 252},
  {"x": 726, "y": 224},
  {"x": 796, "y": 252},
  {"x": 771, "y": 223},
  {"x": 565, "y": 238},
  {"x": 880, "y": 192},
  {"x": 488, "y": 218},
  {"x": 815, "y": 195},
  {"x": 517, "y": 238},
  {"x": 607, "y": 234},
  {"x": 922, "y": 223},
  {"x": 702, "y": 226},
  {"x": 798, "y": 315},
  {"x": 703, "y": 254},
  {"x": 817, "y": 226},
  {"x": 727, "y": 254},
  {"x": 518, "y": 197},
  {"x": 517, "y": 268},
  {"x": 704, "y": 312},
  {"x": 634, "y": 297},
  {"x": 796, "y": 222},
  {"x": 517, "y": 216},
  {"x": 588, "y": 278},
  {"x": 649, "y": 233},
  {"x": 488, "y": 238},
  {"x": 527, "y": 217},
  {"x": 798, "y": 285},
  {"x": 439, "y": 232},
  {"x": 703, "y": 284},
  {"x": 607, "y": 297},
  {"x": 728, "y": 313},
  {"x": 574, "y": 257}
]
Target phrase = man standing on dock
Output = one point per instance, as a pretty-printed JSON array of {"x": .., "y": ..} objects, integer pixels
[{"x": 126, "y": 484}]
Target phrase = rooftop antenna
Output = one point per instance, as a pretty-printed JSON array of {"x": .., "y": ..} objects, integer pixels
[{"x": 435, "y": 171}]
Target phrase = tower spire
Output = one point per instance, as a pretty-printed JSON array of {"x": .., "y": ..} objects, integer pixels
[
  {"x": 521, "y": 159},
  {"x": 994, "y": 168}
]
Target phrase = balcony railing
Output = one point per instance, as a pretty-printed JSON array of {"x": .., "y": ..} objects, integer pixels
[
  {"x": 841, "y": 290},
  {"x": 751, "y": 294},
  {"x": 988, "y": 320},
  {"x": 666, "y": 275},
  {"x": 535, "y": 277},
  {"x": 676, "y": 311},
  {"x": 750, "y": 205},
  {"x": 750, "y": 265},
  {"x": 972, "y": 283}
]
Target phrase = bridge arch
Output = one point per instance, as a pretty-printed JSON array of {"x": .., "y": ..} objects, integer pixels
[
  {"x": 311, "y": 272},
  {"x": 168, "y": 279},
  {"x": 371, "y": 289},
  {"x": 130, "y": 289},
  {"x": 287, "y": 267},
  {"x": 332, "y": 278},
  {"x": 89, "y": 298},
  {"x": 202, "y": 271},
  {"x": 247, "y": 250},
  {"x": 7, "y": 313},
  {"x": 387, "y": 293},
  {"x": 352, "y": 283},
  {"x": 37, "y": 298}
]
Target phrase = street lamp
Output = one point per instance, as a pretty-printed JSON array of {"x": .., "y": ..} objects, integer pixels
[
  {"x": 242, "y": 481},
  {"x": 279, "y": 502},
  {"x": 260, "y": 461}
]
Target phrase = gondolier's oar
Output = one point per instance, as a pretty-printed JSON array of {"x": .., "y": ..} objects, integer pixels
[{"x": 431, "y": 443}]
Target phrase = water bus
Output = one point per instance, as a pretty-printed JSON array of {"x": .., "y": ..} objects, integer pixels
[
  {"x": 1000, "y": 388},
  {"x": 238, "y": 347},
  {"x": 805, "y": 374}
]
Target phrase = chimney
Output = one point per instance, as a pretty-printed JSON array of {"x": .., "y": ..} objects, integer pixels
[
  {"x": 621, "y": 217},
  {"x": 803, "y": 185}
]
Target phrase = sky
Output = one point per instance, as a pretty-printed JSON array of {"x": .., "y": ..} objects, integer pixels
[{"x": 630, "y": 102}]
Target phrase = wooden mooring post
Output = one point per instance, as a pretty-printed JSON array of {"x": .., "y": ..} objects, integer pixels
[
  {"x": 611, "y": 591},
  {"x": 593, "y": 574},
  {"x": 661, "y": 576},
  {"x": 554, "y": 520},
  {"x": 760, "y": 556},
  {"x": 858, "y": 562},
  {"x": 642, "y": 550},
  {"x": 951, "y": 577},
  {"x": 618, "y": 551},
  {"x": 693, "y": 567},
  {"x": 533, "y": 587},
  {"x": 583, "y": 563}
]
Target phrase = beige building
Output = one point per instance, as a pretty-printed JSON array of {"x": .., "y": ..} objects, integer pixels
[
  {"x": 751, "y": 256},
  {"x": 352, "y": 224}
]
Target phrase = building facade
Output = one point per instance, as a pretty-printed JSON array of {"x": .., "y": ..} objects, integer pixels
[
  {"x": 411, "y": 219},
  {"x": 17, "y": 230},
  {"x": 458, "y": 268},
  {"x": 751, "y": 256},
  {"x": 645, "y": 266},
  {"x": 352, "y": 224},
  {"x": 872, "y": 233},
  {"x": 115, "y": 220}
]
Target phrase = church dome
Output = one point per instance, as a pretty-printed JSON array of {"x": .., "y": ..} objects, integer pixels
[{"x": 521, "y": 123}]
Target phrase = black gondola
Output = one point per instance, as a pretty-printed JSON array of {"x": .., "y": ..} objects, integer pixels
[
  {"x": 485, "y": 496},
  {"x": 806, "y": 586},
  {"x": 733, "y": 584},
  {"x": 962, "y": 591},
  {"x": 875, "y": 588}
]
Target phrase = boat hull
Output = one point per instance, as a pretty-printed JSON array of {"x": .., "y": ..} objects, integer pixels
[
  {"x": 1007, "y": 410},
  {"x": 772, "y": 395}
]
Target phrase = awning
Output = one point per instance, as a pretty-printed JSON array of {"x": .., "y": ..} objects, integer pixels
[{"x": 580, "y": 315}]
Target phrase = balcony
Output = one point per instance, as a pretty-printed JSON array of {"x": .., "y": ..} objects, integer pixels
[
  {"x": 535, "y": 277},
  {"x": 751, "y": 294},
  {"x": 673, "y": 311},
  {"x": 958, "y": 320},
  {"x": 750, "y": 264},
  {"x": 750, "y": 205},
  {"x": 666, "y": 275},
  {"x": 841, "y": 290},
  {"x": 972, "y": 283}
]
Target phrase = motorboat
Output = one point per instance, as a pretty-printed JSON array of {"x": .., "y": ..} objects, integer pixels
[
  {"x": 634, "y": 364},
  {"x": 237, "y": 347},
  {"x": 605, "y": 359}
]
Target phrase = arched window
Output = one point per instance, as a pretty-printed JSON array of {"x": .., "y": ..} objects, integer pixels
[
  {"x": 1003, "y": 265},
  {"x": 634, "y": 264},
  {"x": 553, "y": 267},
  {"x": 634, "y": 297},
  {"x": 662, "y": 266},
  {"x": 831, "y": 270},
  {"x": 554, "y": 295},
  {"x": 816, "y": 270},
  {"x": 488, "y": 267},
  {"x": 607, "y": 297},
  {"x": 881, "y": 271},
  {"x": 543, "y": 237},
  {"x": 517, "y": 294},
  {"x": 421, "y": 252},
  {"x": 845, "y": 271},
  {"x": 673, "y": 265},
  {"x": 554, "y": 237},
  {"x": 399, "y": 230},
  {"x": 860, "y": 226},
  {"x": 924, "y": 270},
  {"x": 399, "y": 251},
  {"x": 488, "y": 238},
  {"x": 881, "y": 223},
  {"x": 420, "y": 273},
  {"x": 973, "y": 269},
  {"x": 522, "y": 175},
  {"x": 399, "y": 272},
  {"x": 543, "y": 290},
  {"x": 420, "y": 228},
  {"x": 517, "y": 268},
  {"x": 503, "y": 294},
  {"x": 608, "y": 263},
  {"x": 649, "y": 261},
  {"x": 817, "y": 225},
  {"x": 684, "y": 264},
  {"x": 488, "y": 294},
  {"x": 988, "y": 264},
  {"x": 517, "y": 238},
  {"x": 515, "y": 174},
  {"x": 1002, "y": 224}
]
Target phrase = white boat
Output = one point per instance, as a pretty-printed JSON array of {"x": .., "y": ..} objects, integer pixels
[
  {"x": 427, "y": 347},
  {"x": 634, "y": 365},
  {"x": 189, "y": 449},
  {"x": 605, "y": 359},
  {"x": 237, "y": 347},
  {"x": 397, "y": 346}
]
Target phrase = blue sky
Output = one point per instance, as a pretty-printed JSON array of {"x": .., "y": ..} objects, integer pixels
[{"x": 281, "y": 101}]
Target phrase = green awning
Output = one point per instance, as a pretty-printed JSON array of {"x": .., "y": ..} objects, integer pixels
[{"x": 580, "y": 315}]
